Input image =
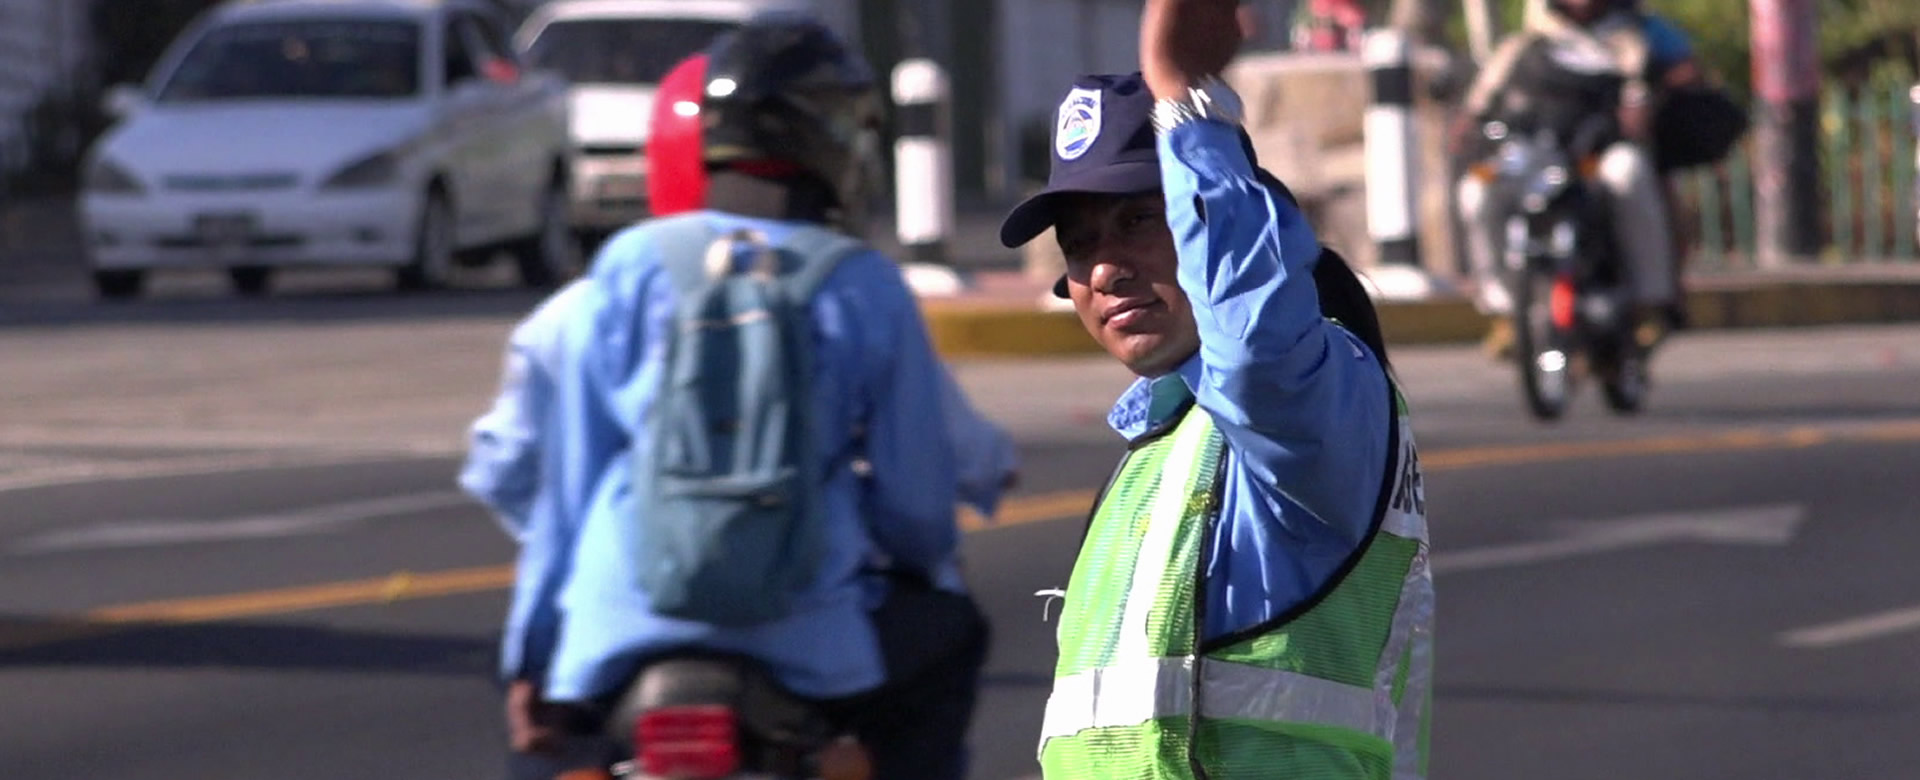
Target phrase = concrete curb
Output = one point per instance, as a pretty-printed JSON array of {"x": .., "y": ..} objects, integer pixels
[{"x": 1011, "y": 330}]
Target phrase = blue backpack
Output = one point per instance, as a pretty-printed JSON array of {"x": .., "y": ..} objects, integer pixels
[{"x": 730, "y": 521}]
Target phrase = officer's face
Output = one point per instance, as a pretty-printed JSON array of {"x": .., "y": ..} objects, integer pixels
[{"x": 1121, "y": 268}]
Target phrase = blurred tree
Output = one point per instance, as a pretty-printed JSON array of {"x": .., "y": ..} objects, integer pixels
[
  {"x": 1860, "y": 40},
  {"x": 1870, "y": 40},
  {"x": 127, "y": 37}
]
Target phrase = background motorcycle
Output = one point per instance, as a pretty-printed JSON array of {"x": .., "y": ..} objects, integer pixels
[{"x": 1572, "y": 301}]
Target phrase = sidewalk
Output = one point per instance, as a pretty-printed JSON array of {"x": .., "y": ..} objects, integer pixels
[
  {"x": 1006, "y": 314},
  {"x": 38, "y": 240},
  {"x": 1000, "y": 312}
]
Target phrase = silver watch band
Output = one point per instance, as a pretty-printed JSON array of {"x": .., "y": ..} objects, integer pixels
[{"x": 1210, "y": 98}]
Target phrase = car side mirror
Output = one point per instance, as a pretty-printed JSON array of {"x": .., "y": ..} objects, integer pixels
[{"x": 123, "y": 100}]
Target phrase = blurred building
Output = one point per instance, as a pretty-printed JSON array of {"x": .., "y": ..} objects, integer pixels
[{"x": 1010, "y": 60}]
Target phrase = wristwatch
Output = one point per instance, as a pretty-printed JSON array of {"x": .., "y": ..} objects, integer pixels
[{"x": 1210, "y": 98}]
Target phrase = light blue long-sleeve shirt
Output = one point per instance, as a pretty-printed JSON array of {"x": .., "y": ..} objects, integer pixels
[
  {"x": 550, "y": 458},
  {"x": 1301, "y": 401}
]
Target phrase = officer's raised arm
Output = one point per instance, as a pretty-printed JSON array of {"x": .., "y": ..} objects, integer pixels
[
  {"x": 1261, "y": 546},
  {"x": 1299, "y": 396}
]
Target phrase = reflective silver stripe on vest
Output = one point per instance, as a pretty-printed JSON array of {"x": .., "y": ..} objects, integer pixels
[
  {"x": 1414, "y": 618},
  {"x": 1399, "y": 639},
  {"x": 1411, "y": 636},
  {"x": 1133, "y": 692},
  {"x": 1164, "y": 521}
]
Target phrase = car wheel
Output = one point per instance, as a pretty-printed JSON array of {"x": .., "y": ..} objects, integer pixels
[
  {"x": 251, "y": 280},
  {"x": 552, "y": 255},
  {"x": 433, "y": 247},
  {"x": 119, "y": 285}
]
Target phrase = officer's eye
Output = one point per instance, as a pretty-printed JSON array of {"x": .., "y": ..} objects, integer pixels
[
  {"x": 1075, "y": 248},
  {"x": 1139, "y": 219}
]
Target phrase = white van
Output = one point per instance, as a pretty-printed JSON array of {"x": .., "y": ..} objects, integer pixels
[{"x": 614, "y": 53}]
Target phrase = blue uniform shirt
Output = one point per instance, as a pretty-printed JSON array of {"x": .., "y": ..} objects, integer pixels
[
  {"x": 551, "y": 460},
  {"x": 1667, "y": 45},
  {"x": 1301, "y": 401}
]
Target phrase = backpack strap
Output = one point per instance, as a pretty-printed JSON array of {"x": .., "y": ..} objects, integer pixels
[
  {"x": 681, "y": 243},
  {"x": 684, "y": 242},
  {"x": 821, "y": 250}
]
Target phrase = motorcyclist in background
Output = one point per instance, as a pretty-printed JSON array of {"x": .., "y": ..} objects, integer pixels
[
  {"x": 1654, "y": 56},
  {"x": 898, "y": 654}
]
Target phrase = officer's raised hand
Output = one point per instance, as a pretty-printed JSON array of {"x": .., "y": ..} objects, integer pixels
[{"x": 1183, "y": 41}]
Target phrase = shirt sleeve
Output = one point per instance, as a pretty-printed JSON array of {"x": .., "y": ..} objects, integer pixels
[
  {"x": 502, "y": 468},
  {"x": 984, "y": 454},
  {"x": 913, "y": 487},
  {"x": 578, "y": 437},
  {"x": 1302, "y": 402},
  {"x": 1493, "y": 76}
]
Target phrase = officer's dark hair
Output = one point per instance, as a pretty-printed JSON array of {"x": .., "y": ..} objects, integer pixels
[{"x": 1342, "y": 296}]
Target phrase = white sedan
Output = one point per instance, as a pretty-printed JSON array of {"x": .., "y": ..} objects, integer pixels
[{"x": 400, "y": 134}]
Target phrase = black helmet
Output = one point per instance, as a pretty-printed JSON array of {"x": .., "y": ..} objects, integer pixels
[{"x": 784, "y": 95}]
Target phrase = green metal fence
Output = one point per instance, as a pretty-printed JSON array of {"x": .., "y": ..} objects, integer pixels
[{"x": 1867, "y": 159}]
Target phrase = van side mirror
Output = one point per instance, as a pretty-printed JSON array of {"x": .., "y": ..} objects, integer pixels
[{"x": 122, "y": 100}]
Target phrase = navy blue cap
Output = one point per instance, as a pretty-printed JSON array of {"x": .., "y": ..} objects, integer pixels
[{"x": 1103, "y": 143}]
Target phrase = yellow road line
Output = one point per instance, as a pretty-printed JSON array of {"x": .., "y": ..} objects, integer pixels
[
  {"x": 404, "y": 586},
  {"x": 396, "y": 587},
  {"x": 1020, "y": 510},
  {"x": 1480, "y": 457}
]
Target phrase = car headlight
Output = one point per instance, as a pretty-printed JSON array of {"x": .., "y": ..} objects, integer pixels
[
  {"x": 105, "y": 177},
  {"x": 378, "y": 170}
]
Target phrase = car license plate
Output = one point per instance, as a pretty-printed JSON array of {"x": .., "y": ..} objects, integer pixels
[{"x": 225, "y": 234}]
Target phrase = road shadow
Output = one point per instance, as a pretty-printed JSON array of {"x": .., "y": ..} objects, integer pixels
[
  {"x": 39, "y": 642},
  {"x": 1041, "y": 681},
  {"x": 315, "y": 303}
]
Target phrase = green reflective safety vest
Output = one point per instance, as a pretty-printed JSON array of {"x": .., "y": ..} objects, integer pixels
[{"x": 1337, "y": 689}]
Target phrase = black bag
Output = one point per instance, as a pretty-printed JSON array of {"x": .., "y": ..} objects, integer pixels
[{"x": 1697, "y": 125}]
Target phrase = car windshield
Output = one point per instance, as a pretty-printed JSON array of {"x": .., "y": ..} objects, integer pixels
[
  {"x": 621, "y": 51},
  {"x": 321, "y": 58}
]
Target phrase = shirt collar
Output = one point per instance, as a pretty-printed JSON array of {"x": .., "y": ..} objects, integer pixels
[{"x": 1151, "y": 403}]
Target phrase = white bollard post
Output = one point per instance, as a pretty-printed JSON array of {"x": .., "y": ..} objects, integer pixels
[
  {"x": 1390, "y": 167},
  {"x": 923, "y": 161},
  {"x": 1913, "y": 95}
]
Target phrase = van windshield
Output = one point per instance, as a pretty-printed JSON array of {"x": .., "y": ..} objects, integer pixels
[{"x": 621, "y": 51}]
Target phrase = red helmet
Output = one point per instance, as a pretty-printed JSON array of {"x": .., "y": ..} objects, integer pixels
[{"x": 676, "y": 170}]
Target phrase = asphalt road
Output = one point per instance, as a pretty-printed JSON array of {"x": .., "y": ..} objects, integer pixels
[{"x": 229, "y": 548}]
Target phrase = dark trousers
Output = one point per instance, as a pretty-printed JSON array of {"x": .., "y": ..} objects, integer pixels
[{"x": 934, "y": 645}]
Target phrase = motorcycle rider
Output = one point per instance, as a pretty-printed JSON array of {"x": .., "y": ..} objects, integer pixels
[
  {"x": 1653, "y": 55},
  {"x": 896, "y": 654}
]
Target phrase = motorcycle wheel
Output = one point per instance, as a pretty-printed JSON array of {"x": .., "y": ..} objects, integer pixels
[{"x": 1541, "y": 347}]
